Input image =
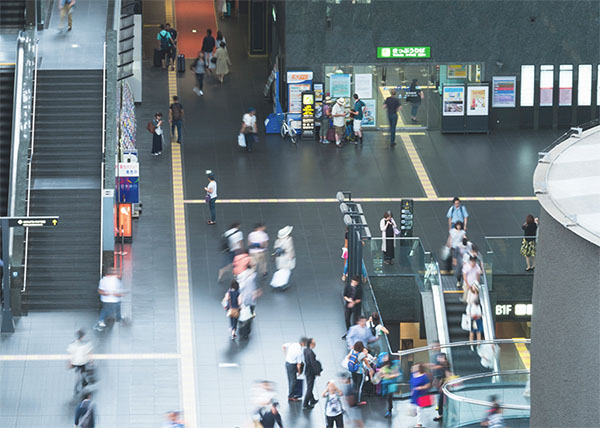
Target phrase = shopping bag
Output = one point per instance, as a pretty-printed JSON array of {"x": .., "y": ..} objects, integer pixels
[
  {"x": 245, "y": 314},
  {"x": 425, "y": 401},
  {"x": 241, "y": 140},
  {"x": 281, "y": 278},
  {"x": 465, "y": 323}
]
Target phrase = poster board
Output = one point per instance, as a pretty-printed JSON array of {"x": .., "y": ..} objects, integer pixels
[
  {"x": 453, "y": 101},
  {"x": 319, "y": 90},
  {"x": 504, "y": 91},
  {"x": 340, "y": 85},
  {"x": 308, "y": 114},
  {"x": 477, "y": 100},
  {"x": 370, "y": 114},
  {"x": 363, "y": 85},
  {"x": 298, "y": 82},
  {"x": 457, "y": 71}
]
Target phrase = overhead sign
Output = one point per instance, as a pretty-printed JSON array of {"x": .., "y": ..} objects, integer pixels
[
  {"x": 404, "y": 52},
  {"x": 299, "y": 76},
  {"x": 33, "y": 221},
  {"x": 514, "y": 310}
]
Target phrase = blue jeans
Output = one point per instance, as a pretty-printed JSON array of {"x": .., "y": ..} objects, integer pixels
[
  {"x": 110, "y": 310},
  {"x": 393, "y": 118},
  {"x": 213, "y": 209},
  {"x": 179, "y": 125},
  {"x": 364, "y": 269},
  {"x": 413, "y": 109}
]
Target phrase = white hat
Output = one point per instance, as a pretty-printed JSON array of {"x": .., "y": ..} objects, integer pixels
[
  {"x": 285, "y": 232},
  {"x": 341, "y": 101}
]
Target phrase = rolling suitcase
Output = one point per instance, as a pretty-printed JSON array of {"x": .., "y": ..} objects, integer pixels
[
  {"x": 331, "y": 134},
  {"x": 180, "y": 63},
  {"x": 244, "y": 329},
  {"x": 158, "y": 56}
]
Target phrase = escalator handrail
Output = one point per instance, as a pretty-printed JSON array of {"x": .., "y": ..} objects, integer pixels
[
  {"x": 442, "y": 323},
  {"x": 488, "y": 320},
  {"x": 457, "y": 344},
  {"x": 462, "y": 399}
]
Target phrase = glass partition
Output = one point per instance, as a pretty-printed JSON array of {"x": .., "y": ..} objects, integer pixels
[
  {"x": 504, "y": 253},
  {"x": 468, "y": 399},
  {"x": 408, "y": 257}
]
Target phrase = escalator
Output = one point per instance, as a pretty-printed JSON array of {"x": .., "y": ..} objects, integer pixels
[
  {"x": 12, "y": 14},
  {"x": 7, "y": 78}
]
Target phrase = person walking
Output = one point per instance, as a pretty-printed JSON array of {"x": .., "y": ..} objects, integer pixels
[
  {"x": 352, "y": 302},
  {"x": 419, "y": 385},
  {"x": 220, "y": 38},
  {"x": 66, "y": 10},
  {"x": 284, "y": 245},
  {"x": 258, "y": 242},
  {"x": 176, "y": 118},
  {"x": 208, "y": 48},
  {"x": 414, "y": 97},
  {"x": 211, "y": 197},
  {"x": 338, "y": 113},
  {"x": 199, "y": 67},
  {"x": 529, "y": 236},
  {"x": 360, "y": 333},
  {"x": 172, "y": 55},
  {"x": 312, "y": 369},
  {"x": 223, "y": 62},
  {"x": 294, "y": 360},
  {"x": 85, "y": 414},
  {"x": 457, "y": 212},
  {"x": 474, "y": 313},
  {"x": 388, "y": 375},
  {"x": 249, "y": 128},
  {"x": 334, "y": 411},
  {"x": 439, "y": 366},
  {"x": 455, "y": 242},
  {"x": 233, "y": 302},
  {"x": 351, "y": 402},
  {"x": 233, "y": 241},
  {"x": 157, "y": 134},
  {"x": 268, "y": 417},
  {"x": 392, "y": 105},
  {"x": 110, "y": 290},
  {"x": 325, "y": 118},
  {"x": 80, "y": 355},
  {"x": 357, "y": 114},
  {"x": 358, "y": 366},
  {"x": 471, "y": 276},
  {"x": 388, "y": 228},
  {"x": 165, "y": 43}
]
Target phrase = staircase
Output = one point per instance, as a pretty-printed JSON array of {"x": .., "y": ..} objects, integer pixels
[
  {"x": 64, "y": 262},
  {"x": 7, "y": 78},
  {"x": 12, "y": 14}
]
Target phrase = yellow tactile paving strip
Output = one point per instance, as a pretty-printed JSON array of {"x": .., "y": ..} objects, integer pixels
[{"x": 523, "y": 353}]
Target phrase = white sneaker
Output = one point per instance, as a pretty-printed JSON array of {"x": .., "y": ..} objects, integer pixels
[
  {"x": 195, "y": 90},
  {"x": 200, "y": 92}
]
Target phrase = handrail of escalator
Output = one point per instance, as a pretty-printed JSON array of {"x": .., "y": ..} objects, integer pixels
[
  {"x": 484, "y": 296},
  {"x": 102, "y": 159},
  {"x": 457, "y": 344},
  {"x": 440, "y": 307},
  {"x": 30, "y": 162}
]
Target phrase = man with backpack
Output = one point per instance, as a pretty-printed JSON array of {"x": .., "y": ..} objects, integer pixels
[
  {"x": 357, "y": 366},
  {"x": 457, "y": 212},
  {"x": 176, "y": 118},
  {"x": 85, "y": 415},
  {"x": 165, "y": 42},
  {"x": 173, "y": 48}
]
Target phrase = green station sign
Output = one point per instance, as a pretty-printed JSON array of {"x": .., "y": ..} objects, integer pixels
[{"x": 404, "y": 52}]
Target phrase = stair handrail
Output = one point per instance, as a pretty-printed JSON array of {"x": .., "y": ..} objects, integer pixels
[
  {"x": 30, "y": 163},
  {"x": 102, "y": 158},
  {"x": 440, "y": 306}
]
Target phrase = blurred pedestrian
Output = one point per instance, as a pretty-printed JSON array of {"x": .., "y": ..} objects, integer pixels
[
  {"x": 241, "y": 262},
  {"x": 494, "y": 417},
  {"x": 233, "y": 240},
  {"x": 270, "y": 416},
  {"x": 199, "y": 68},
  {"x": 389, "y": 230},
  {"x": 284, "y": 247},
  {"x": 211, "y": 197},
  {"x": 351, "y": 402},
  {"x": 249, "y": 129},
  {"x": 176, "y": 118},
  {"x": 529, "y": 236},
  {"x": 80, "y": 355},
  {"x": 174, "y": 420},
  {"x": 263, "y": 394},
  {"x": 110, "y": 290},
  {"x": 440, "y": 367},
  {"x": 334, "y": 411},
  {"x": 352, "y": 302},
  {"x": 312, "y": 369},
  {"x": 457, "y": 212},
  {"x": 471, "y": 276},
  {"x": 419, "y": 385},
  {"x": 208, "y": 48},
  {"x": 389, "y": 377},
  {"x": 258, "y": 242},
  {"x": 360, "y": 332},
  {"x": 165, "y": 43},
  {"x": 220, "y": 38},
  {"x": 325, "y": 118},
  {"x": 294, "y": 361},
  {"x": 233, "y": 302},
  {"x": 85, "y": 414},
  {"x": 157, "y": 134},
  {"x": 379, "y": 331},
  {"x": 392, "y": 105},
  {"x": 173, "y": 45},
  {"x": 222, "y": 62},
  {"x": 66, "y": 10},
  {"x": 475, "y": 314},
  {"x": 414, "y": 97},
  {"x": 358, "y": 366}
]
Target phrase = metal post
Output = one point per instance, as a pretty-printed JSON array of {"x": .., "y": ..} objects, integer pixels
[{"x": 8, "y": 325}]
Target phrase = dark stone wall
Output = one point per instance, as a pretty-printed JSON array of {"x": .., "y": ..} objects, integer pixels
[
  {"x": 565, "y": 335},
  {"x": 564, "y": 32}
]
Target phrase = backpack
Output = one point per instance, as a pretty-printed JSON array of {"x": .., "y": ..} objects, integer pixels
[
  {"x": 176, "y": 111},
  {"x": 87, "y": 419},
  {"x": 164, "y": 41},
  {"x": 462, "y": 212},
  {"x": 150, "y": 127},
  {"x": 353, "y": 364}
]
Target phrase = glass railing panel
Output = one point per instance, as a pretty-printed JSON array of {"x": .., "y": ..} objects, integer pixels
[
  {"x": 369, "y": 306},
  {"x": 408, "y": 257},
  {"x": 505, "y": 254}
]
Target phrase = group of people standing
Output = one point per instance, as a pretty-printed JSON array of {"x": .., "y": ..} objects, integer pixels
[{"x": 334, "y": 117}]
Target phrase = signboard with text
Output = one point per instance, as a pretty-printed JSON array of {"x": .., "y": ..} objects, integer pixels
[
  {"x": 404, "y": 52},
  {"x": 504, "y": 91},
  {"x": 32, "y": 221},
  {"x": 308, "y": 114}
]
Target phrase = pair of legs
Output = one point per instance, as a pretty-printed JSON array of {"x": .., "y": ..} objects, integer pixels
[
  {"x": 309, "y": 398},
  {"x": 324, "y": 129},
  {"x": 388, "y": 254},
  {"x": 476, "y": 331},
  {"x": 339, "y": 134},
  {"x": 67, "y": 12},
  {"x": 259, "y": 259},
  {"x": 530, "y": 260},
  {"x": 337, "y": 420},
  {"x": 171, "y": 57},
  {"x": 364, "y": 271},
  {"x": 292, "y": 375},
  {"x": 414, "y": 107},
  {"x": 353, "y": 312},
  {"x": 220, "y": 77},
  {"x": 199, "y": 84},
  {"x": 156, "y": 144},
  {"x": 229, "y": 256},
  {"x": 179, "y": 125},
  {"x": 358, "y": 380},
  {"x": 440, "y": 405},
  {"x": 250, "y": 138},
  {"x": 212, "y": 207},
  {"x": 393, "y": 118},
  {"x": 357, "y": 127},
  {"x": 233, "y": 321},
  {"x": 419, "y": 416},
  {"x": 109, "y": 310}
]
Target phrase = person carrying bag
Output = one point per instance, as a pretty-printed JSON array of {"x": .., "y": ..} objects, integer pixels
[{"x": 232, "y": 304}]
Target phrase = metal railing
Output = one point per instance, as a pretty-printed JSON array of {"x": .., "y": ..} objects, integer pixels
[
  {"x": 30, "y": 166},
  {"x": 103, "y": 160},
  {"x": 408, "y": 352},
  {"x": 439, "y": 304}
]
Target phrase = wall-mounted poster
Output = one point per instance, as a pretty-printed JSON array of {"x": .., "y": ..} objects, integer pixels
[
  {"x": 369, "y": 113},
  {"x": 453, "y": 101},
  {"x": 457, "y": 71},
  {"x": 477, "y": 100},
  {"x": 318, "y": 88},
  {"x": 363, "y": 85},
  {"x": 295, "y": 96},
  {"x": 340, "y": 85},
  {"x": 504, "y": 91}
]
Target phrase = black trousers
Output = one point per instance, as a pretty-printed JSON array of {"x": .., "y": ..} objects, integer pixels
[
  {"x": 309, "y": 398},
  {"x": 356, "y": 309},
  {"x": 338, "y": 420}
]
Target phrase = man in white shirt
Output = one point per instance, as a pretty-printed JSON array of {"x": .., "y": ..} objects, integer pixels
[
  {"x": 339, "y": 120},
  {"x": 258, "y": 242},
  {"x": 249, "y": 128},
  {"x": 294, "y": 360},
  {"x": 235, "y": 242},
  {"x": 110, "y": 291}
]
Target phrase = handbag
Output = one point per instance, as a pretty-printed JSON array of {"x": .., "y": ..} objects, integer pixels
[
  {"x": 241, "y": 140},
  {"x": 465, "y": 322},
  {"x": 425, "y": 401},
  {"x": 213, "y": 60},
  {"x": 207, "y": 198},
  {"x": 396, "y": 231},
  {"x": 245, "y": 313},
  {"x": 150, "y": 127},
  {"x": 233, "y": 313}
]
